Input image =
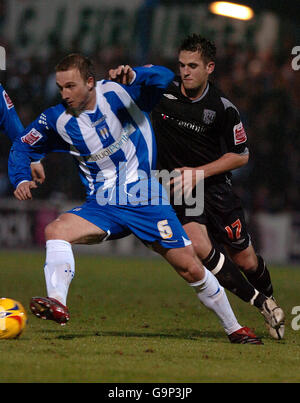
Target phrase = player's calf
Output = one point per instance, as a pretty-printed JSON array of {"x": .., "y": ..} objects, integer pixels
[
  {"x": 259, "y": 276},
  {"x": 208, "y": 289}
]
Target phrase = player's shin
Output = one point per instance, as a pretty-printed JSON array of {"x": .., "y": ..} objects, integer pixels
[
  {"x": 231, "y": 278},
  {"x": 59, "y": 269},
  {"x": 213, "y": 296},
  {"x": 260, "y": 278}
]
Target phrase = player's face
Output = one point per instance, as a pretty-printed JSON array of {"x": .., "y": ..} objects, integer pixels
[
  {"x": 194, "y": 73},
  {"x": 75, "y": 91}
]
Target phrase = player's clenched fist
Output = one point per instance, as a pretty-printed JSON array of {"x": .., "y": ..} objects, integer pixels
[
  {"x": 122, "y": 74},
  {"x": 23, "y": 191}
]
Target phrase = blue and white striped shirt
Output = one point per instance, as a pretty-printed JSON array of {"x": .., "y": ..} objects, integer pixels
[{"x": 112, "y": 143}]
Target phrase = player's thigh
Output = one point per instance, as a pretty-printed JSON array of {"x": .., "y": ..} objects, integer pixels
[
  {"x": 225, "y": 216},
  {"x": 156, "y": 223},
  {"x": 197, "y": 233},
  {"x": 74, "y": 229},
  {"x": 184, "y": 260},
  {"x": 245, "y": 258},
  {"x": 228, "y": 227}
]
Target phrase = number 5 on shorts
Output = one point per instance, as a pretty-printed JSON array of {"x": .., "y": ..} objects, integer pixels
[{"x": 164, "y": 229}]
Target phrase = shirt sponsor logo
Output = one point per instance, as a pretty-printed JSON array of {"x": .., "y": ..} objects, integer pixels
[
  {"x": 239, "y": 134},
  {"x": 187, "y": 125},
  {"x": 8, "y": 101},
  {"x": 170, "y": 96},
  {"x": 32, "y": 137}
]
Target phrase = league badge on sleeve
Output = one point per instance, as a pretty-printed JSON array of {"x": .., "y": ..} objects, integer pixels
[
  {"x": 32, "y": 137},
  {"x": 8, "y": 101},
  {"x": 239, "y": 134}
]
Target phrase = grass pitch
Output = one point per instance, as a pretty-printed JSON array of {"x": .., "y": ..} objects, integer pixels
[{"x": 136, "y": 321}]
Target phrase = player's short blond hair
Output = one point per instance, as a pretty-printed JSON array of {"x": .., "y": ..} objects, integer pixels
[{"x": 80, "y": 62}]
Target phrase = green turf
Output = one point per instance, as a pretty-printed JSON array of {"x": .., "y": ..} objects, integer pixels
[{"x": 135, "y": 320}]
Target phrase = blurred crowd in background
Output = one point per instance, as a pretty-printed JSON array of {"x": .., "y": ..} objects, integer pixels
[{"x": 263, "y": 86}]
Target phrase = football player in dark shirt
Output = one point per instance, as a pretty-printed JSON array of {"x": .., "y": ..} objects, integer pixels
[{"x": 198, "y": 129}]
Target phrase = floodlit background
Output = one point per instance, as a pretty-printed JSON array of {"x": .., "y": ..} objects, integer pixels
[{"x": 254, "y": 68}]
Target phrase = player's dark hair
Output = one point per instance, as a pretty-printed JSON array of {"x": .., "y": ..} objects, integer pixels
[
  {"x": 197, "y": 43},
  {"x": 80, "y": 62}
]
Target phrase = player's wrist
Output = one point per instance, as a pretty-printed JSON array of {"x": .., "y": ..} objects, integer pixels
[{"x": 20, "y": 183}]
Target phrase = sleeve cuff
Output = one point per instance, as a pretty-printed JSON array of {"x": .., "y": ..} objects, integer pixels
[
  {"x": 22, "y": 182},
  {"x": 133, "y": 80}
]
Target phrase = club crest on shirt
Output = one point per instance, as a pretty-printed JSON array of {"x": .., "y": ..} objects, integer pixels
[
  {"x": 103, "y": 131},
  {"x": 208, "y": 116}
]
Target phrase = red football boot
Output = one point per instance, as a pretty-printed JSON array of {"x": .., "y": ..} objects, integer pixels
[
  {"x": 49, "y": 308},
  {"x": 244, "y": 336}
]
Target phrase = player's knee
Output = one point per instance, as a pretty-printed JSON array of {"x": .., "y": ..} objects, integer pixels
[
  {"x": 195, "y": 271},
  {"x": 201, "y": 242},
  {"x": 55, "y": 230},
  {"x": 202, "y": 248},
  {"x": 248, "y": 262},
  {"x": 192, "y": 270}
]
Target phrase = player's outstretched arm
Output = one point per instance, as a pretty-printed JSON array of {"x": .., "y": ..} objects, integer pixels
[
  {"x": 145, "y": 84},
  {"x": 149, "y": 75}
]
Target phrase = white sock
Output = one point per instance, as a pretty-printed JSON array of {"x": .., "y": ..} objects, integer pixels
[
  {"x": 213, "y": 296},
  {"x": 59, "y": 269}
]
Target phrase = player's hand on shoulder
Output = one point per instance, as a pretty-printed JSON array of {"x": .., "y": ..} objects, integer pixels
[
  {"x": 122, "y": 74},
  {"x": 23, "y": 190}
]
